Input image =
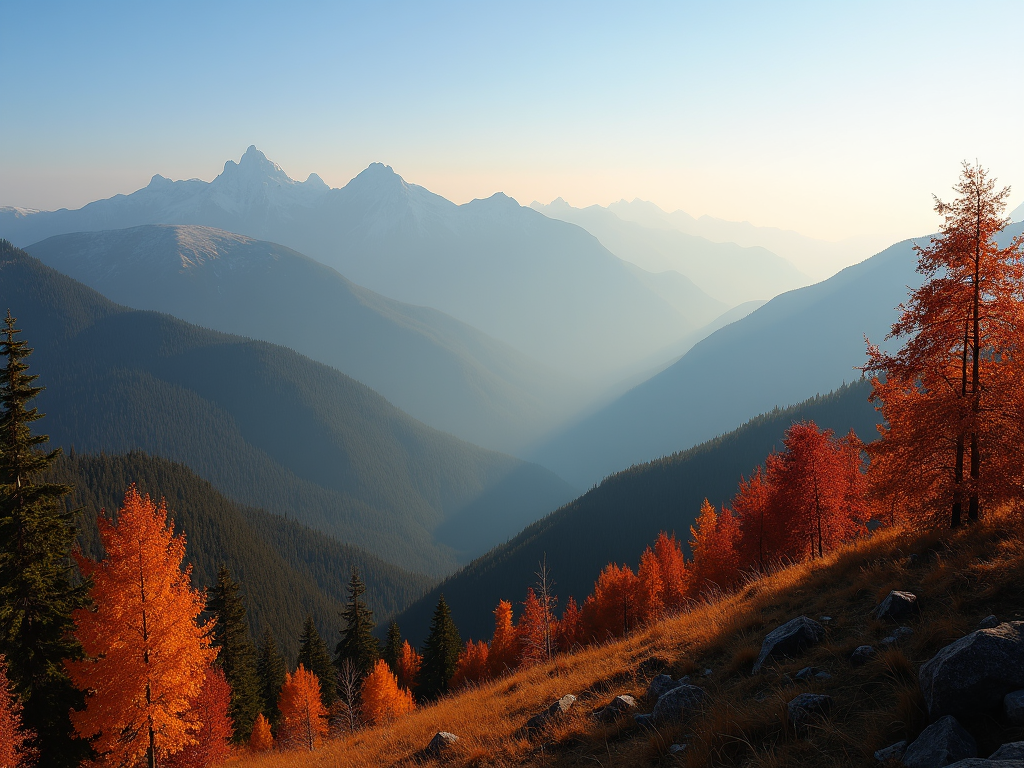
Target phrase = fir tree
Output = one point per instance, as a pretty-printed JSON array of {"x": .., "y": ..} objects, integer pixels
[
  {"x": 37, "y": 591},
  {"x": 440, "y": 653},
  {"x": 357, "y": 641},
  {"x": 315, "y": 657},
  {"x": 237, "y": 655},
  {"x": 271, "y": 670},
  {"x": 393, "y": 647}
]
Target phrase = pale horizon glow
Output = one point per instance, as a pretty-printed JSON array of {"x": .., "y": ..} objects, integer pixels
[{"x": 830, "y": 120}]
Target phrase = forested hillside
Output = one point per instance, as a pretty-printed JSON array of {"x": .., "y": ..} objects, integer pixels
[
  {"x": 614, "y": 521},
  {"x": 265, "y": 425}
]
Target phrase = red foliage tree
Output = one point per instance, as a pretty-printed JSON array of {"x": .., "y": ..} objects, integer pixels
[
  {"x": 261, "y": 740},
  {"x": 14, "y": 737},
  {"x": 570, "y": 627},
  {"x": 611, "y": 610},
  {"x": 409, "y": 663},
  {"x": 303, "y": 715},
  {"x": 503, "y": 655},
  {"x": 211, "y": 746},
  {"x": 472, "y": 666},
  {"x": 650, "y": 589},
  {"x": 531, "y": 631},
  {"x": 713, "y": 542},
  {"x": 672, "y": 567}
]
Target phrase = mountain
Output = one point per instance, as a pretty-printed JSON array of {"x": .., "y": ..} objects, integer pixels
[
  {"x": 545, "y": 287},
  {"x": 729, "y": 272},
  {"x": 616, "y": 520},
  {"x": 267, "y": 426},
  {"x": 1017, "y": 214},
  {"x": 287, "y": 571},
  {"x": 437, "y": 369}
]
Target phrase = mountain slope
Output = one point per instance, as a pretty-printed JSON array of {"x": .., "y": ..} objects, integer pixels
[
  {"x": 731, "y": 273},
  {"x": 616, "y": 520},
  {"x": 437, "y": 369},
  {"x": 265, "y": 425},
  {"x": 547, "y": 288}
]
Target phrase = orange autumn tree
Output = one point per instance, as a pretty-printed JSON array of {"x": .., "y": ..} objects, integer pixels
[
  {"x": 611, "y": 609},
  {"x": 146, "y": 655},
  {"x": 503, "y": 655},
  {"x": 381, "y": 700},
  {"x": 713, "y": 544},
  {"x": 472, "y": 666},
  {"x": 303, "y": 715},
  {"x": 951, "y": 396},
  {"x": 763, "y": 538},
  {"x": 531, "y": 631},
  {"x": 650, "y": 589},
  {"x": 672, "y": 568},
  {"x": 261, "y": 739},
  {"x": 409, "y": 663},
  {"x": 211, "y": 745},
  {"x": 570, "y": 626},
  {"x": 14, "y": 738}
]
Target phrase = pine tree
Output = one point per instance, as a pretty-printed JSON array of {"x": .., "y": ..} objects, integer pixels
[
  {"x": 440, "y": 653},
  {"x": 37, "y": 590},
  {"x": 357, "y": 641},
  {"x": 271, "y": 670},
  {"x": 313, "y": 655},
  {"x": 237, "y": 655},
  {"x": 392, "y": 647}
]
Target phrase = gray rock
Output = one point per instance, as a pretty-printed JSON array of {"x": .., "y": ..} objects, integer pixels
[
  {"x": 1012, "y": 751},
  {"x": 1013, "y": 707},
  {"x": 806, "y": 708},
  {"x": 892, "y": 752},
  {"x": 661, "y": 685},
  {"x": 806, "y": 673},
  {"x": 645, "y": 721},
  {"x": 441, "y": 742},
  {"x": 898, "y": 636},
  {"x": 941, "y": 743},
  {"x": 861, "y": 655},
  {"x": 679, "y": 704},
  {"x": 676, "y": 749},
  {"x": 708, "y": 672},
  {"x": 974, "y": 673},
  {"x": 897, "y": 606},
  {"x": 988, "y": 622},
  {"x": 789, "y": 639},
  {"x": 823, "y": 675},
  {"x": 978, "y": 762},
  {"x": 825, "y": 619},
  {"x": 557, "y": 709},
  {"x": 618, "y": 706}
]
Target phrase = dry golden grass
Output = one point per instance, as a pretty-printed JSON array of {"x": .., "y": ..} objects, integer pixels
[{"x": 959, "y": 578}]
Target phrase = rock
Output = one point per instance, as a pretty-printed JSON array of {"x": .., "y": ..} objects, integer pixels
[
  {"x": 861, "y": 655},
  {"x": 806, "y": 708},
  {"x": 898, "y": 636},
  {"x": 789, "y": 639},
  {"x": 1013, "y": 707},
  {"x": 806, "y": 673},
  {"x": 618, "y": 706},
  {"x": 441, "y": 742},
  {"x": 676, "y": 749},
  {"x": 823, "y": 675},
  {"x": 1012, "y": 751},
  {"x": 708, "y": 672},
  {"x": 941, "y": 743},
  {"x": 557, "y": 709},
  {"x": 892, "y": 752},
  {"x": 825, "y": 619},
  {"x": 978, "y": 762},
  {"x": 661, "y": 685},
  {"x": 988, "y": 622},
  {"x": 897, "y": 606},
  {"x": 976, "y": 672},
  {"x": 679, "y": 703},
  {"x": 645, "y": 721}
]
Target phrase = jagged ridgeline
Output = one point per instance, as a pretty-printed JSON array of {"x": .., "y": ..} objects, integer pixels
[
  {"x": 616, "y": 520},
  {"x": 287, "y": 571}
]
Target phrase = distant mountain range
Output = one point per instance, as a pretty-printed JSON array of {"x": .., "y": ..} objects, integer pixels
[
  {"x": 439, "y": 370},
  {"x": 545, "y": 287},
  {"x": 267, "y": 426}
]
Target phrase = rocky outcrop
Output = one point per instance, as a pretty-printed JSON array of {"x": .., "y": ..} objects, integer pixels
[
  {"x": 1013, "y": 707},
  {"x": 617, "y": 707},
  {"x": 943, "y": 742},
  {"x": 806, "y": 709},
  {"x": 894, "y": 752},
  {"x": 441, "y": 743},
  {"x": 556, "y": 710},
  {"x": 679, "y": 704},
  {"x": 861, "y": 655},
  {"x": 898, "y": 636},
  {"x": 1012, "y": 751},
  {"x": 897, "y": 606},
  {"x": 789, "y": 639},
  {"x": 662, "y": 684}
]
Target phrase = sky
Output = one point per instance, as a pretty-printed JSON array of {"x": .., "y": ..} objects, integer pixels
[{"x": 834, "y": 119}]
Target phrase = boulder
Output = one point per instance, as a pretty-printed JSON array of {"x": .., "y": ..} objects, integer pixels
[
  {"x": 660, "y": 685},
  {"x": 644, "y": 721},
  {"x": 812, "y": 673},
  {"x": 557, "y": 709},
  {"x": 861, "y": 655},
  {"x": 1012, "y": 751},
  {"x": 441, "y": 742},
  {"x": 617, "y": 707},
  {"x": 941, "y": 743},
  {"x": 679, "y": 704},
  {"x": 806, "y": 708},
  {"x": 979, "y": 762},
  {"x": 1013, "y": 707},
  {"x": 676, "y": 749},
  {"x": 976, "y": 672},
  {"x": 898, "y": 636},
  {"x": 988, "y": 622},
  {"x": 789, "y": 639},
  {"x": 892, "y": 752},
  {"x": 897, "y": 606}
]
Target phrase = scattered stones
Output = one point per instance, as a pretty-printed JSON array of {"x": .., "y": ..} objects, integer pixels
[
  {"x": 679, "y": 703},
  {"x": 825, "y": 619},
  {"x": 894, "y": 752},
  {"x": 789, "y": 639},
  {"x": 806, "y": 708},
  {"x": 941, "y": 743},
  {"x": 644, "y": 721},
  {"x": 812, "y": 673},
  {"x": 898, "y": 636},
  {"x": 897, "y": 606},
  {"x": 557, "y": 709},
  {"x": 988, "y": 622},
  {"x": 861, "y": 655},
  {"x": 976, "y": 672},
  {"x": 618, "y": 706},
  {"x": 708, "y": 672},
  {"x": 1013, "y": 707},
  {"x": 441, "y": 742},
  {"x": 661, "y": 685},
  {"x": 676, "y": 749},
  {"x": 979, "y": 762},
  {"x": 1012, "y": 751}
]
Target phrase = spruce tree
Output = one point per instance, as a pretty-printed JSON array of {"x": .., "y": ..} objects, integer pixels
[
  {"x": 237, "y": 655},
  {"x": 271, "y": 670},
  {"x": 315, "y": 657},
  {"x": 440, "y": 653},
  {"x": 37, "y": 584},
  {"x": 392, "y": 647},
  {"x": 357, "y": 641}
]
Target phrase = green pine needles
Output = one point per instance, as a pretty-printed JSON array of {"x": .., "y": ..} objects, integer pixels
[
  {"x": 440, "y": 653},
  {"x": 314, "y": 656},
  {"x": 237, "y": 656},
  {"x": 357, "y": 641}
]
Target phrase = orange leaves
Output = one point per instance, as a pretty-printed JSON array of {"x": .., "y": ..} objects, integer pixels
[
  {"x": 504, "y": 652},
  {"x": 381, "y": 699},
  {"x": 146, "y": 657},
  {"x": 211, "y": 710},
  {"x": 672, "y": 570},
  {"x": 261, "y": 739},
  {"x": 409, "y": 663},
  {"x": 713, "y": 543},
  {"x": 531, "y": 631},
  {"x": 611, "y": 611},
  {"x": 303, "y": 716},
  {"x": 13, "y": 736}
]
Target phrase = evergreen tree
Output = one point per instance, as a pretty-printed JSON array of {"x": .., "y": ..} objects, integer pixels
[
  {"x": 440, "y": 653},
  {"x": 271, "y": 670},
  {"x": 37, "y": 589},
  {"x": 393, "y": 647},
  {"x": 237, "y": 655},
  {"x": 315, "y": 657},
  {"x": 357, "y": 641}
]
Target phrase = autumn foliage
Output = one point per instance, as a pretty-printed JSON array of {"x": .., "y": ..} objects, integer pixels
[
  {"x": 14, "y": 751},
  {"x": 146, "y": 656},
  {"x": 210, "y": 709},
  {"x": 409, "y": 663},
  {"x": 261, "y": 739},
  {"x": 382, "y": 700},
  {"x": 303, "y": 715}
]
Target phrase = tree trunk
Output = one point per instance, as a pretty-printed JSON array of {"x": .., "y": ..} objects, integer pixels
[{"x": 972, "y": 512}]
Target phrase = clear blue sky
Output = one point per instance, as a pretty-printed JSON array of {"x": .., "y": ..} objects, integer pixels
[{"x": 834, "y": 119}]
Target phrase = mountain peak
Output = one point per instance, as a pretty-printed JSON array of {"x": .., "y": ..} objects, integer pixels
[{"x": 255, "y": 165}]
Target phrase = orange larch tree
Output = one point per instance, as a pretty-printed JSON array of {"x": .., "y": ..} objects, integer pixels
[
  {"x": 472, "y": 666},
  {"x": 211, "y": 746},
  {"x": 14, "y": 738},
  {"x": 672, "y": 567},
  {"x": 650, "y": 589},
  {"x": 713, "y": 542},
  {"x": 570, "y": 627},
  {"x": 409, "y": 663},
  {"x": 503, "y": 656},
  {"x": 261, "y": 740},
  {"x": 146, "y": 655},
  {"x": 303, "y": 715},
  {"x": 762, "y": 539},
  {"x": 381, "y": 700},
  {"x": 531, "y": 631},
  {"x": 611, "y": 609}
]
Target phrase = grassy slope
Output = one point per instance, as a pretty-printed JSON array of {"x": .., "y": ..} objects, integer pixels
[{"x": 959, "y": 579}]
